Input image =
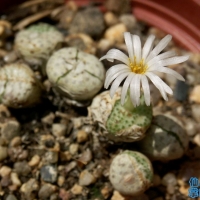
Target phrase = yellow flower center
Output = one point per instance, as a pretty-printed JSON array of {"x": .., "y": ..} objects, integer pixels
[{"x": 138, "y": 68}]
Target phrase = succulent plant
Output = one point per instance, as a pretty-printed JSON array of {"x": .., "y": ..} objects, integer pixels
[
  {"x": 36, "y": 43},
  {"x": 18, "y": 86},
  {"x": 77, "y": 75},
  {"x": 120, "y": 123},
  {"x": 165, "y": 140},
  {"x": 131, "y": 173}
]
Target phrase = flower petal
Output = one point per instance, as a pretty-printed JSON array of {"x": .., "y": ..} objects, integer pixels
[
  {"x": 135, "y": 90},
  {"x": 129, "y": 44},
  {"x": 115, "y": 54},
  {"x": 174, "y": 60},
  {"x": 125, "y": 87},
  {"x": 147, "y": 46},
  {"x": 132, "y": 94},
  {"x": 146, "y": 90},
  {"x": 137, "y": 47},
  {"x": 110, "y": 79},
  {"x": 157, "y": 83},
  {"x": 114, "y": 69},
  {"x": 171, "y": 72},
  {"x": 160, "y": 46},
  {"x": 117, "y": 82},
  {"x": 162, "y": 56}
]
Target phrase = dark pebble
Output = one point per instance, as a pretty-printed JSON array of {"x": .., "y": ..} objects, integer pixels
[{"x": 49, "y": 173}]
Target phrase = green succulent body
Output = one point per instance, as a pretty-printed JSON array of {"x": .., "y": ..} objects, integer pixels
[
  {"x": 36, "y": 43},
  {"x": 131, "y": 173},
  {"x": 165, "y": 139},
  {"x": 121, "y": 123}
]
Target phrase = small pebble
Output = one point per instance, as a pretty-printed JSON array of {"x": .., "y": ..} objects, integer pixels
[
  {"x": 170, "y": 189},
  {"x": 50, "y": 157},
  {"x": 5, "y": 171},
  {"x": 110, "y": 19},
  {"x": 106, "y": 191},
  {"x": 28, "y": 187},
  {"x": 15, "y": 179},
  {"x": 169, "y": 179},
  {"x": 10, "y": 57},
  {"x": 22, "y": 168},
  {"x": 118, "y": 6},
  {"x": 86, "y": 178},
  {"x": 181, "y": 91},
  {"x": 82, "y": 136},
  {"x": 11, "y": 197},
  {"x": 61, "y": 180},
  {"x": 195, "y": 94},
  {"x": 73, "y": 148},
  {"x": 46, "y": 190},
  {"x": 16, "y": 141},
  {"x": 10, "y": 130},
  {"x": 54, "y": 197},
  {"x": 81, "y": 41},
  {"x": 117, "y": 196},
  {"x": 77, "y": 189},
  {"x": 5, "y": 181},
  {"x": 49, "y": 173},
  {"x": 48, "y": 119},
  {"x": 196, "y": 112},
  {"x": 190, "y": 127},
  {"x": 70, "y": 166},
  {"x": 129, "y": 21},
  {"x": 64, "y": 195},
  {"x": 59, "y": 130},
  {"x": 34, "y": 161},
  {"x": 3, "y": 153},
  {"x": 196, "y": 139},
  {"x": 115, "y": 34},
  {"x": 65, "y": 156},
  {"x": 104, "y": 44},
  {"x": 89, "y": 21},
  {"x": 86, "y": 157}
]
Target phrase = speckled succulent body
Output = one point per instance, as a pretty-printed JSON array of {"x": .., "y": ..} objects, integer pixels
[
  {"x": 36, "y": 43},
  {"x": 18, "y": 86},
  {"x": 131, "y": 173},
  {"x": 165, "y": 139},
  {"x": 120, "y": 123},
  {"x": 76, "y": 74}
]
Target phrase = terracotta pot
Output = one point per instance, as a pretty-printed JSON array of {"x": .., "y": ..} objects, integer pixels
[{"x": 180, "y": 18}]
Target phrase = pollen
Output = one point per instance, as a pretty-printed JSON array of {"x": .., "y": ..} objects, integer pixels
[{"x": 138, "y": 68}]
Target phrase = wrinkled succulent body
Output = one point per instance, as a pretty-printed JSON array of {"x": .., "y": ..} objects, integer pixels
[
  {"x": 76, "y": 74},
  {"x": 18, "y": 86},
  {"x": 36, "y": 43},
  {"x": 120, "y": 123},
  {"x": 165, "y": 140},
  {"x": 131, "y": 173}
]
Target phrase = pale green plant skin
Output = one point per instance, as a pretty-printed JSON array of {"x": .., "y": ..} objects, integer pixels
[
  {"x": 76, "y": 74},
  {"x": 131, "y": 173},
  {"x": 165, "y": 140},
  {"x": 37, "y": 42},
  {"x": 120, "y": 123},
  {"x": 18, "y": 86},
  {"x": 123, "y": 117}
]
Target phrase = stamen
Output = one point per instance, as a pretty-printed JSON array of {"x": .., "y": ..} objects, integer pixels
[{"x": 138, "y": 68}]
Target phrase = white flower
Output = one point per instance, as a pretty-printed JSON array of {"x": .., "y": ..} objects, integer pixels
[{"x": 140, "y": 64}]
